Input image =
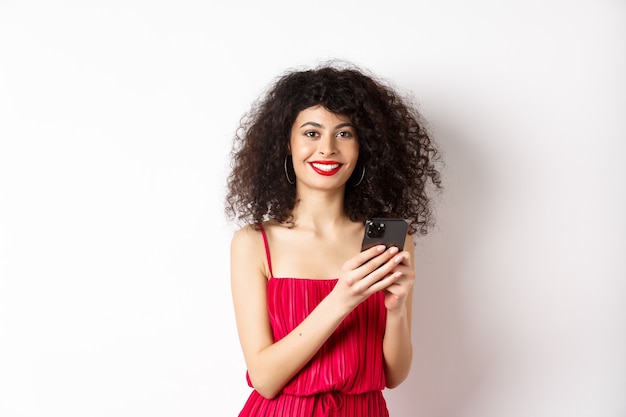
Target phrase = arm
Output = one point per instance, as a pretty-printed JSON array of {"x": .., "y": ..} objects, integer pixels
[
  {"x": 272, "y": 364},
  {"x": 397, "y": 346}
]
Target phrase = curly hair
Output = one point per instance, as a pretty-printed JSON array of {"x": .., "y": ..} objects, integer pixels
[{"x": 399, "y": 157}]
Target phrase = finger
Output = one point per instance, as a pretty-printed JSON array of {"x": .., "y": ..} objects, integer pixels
[
  {"x": 363, "y": 257},
  {"x": 406, "y": 257},
  {"x": 386, "y": 283},
  {"x": 380, "y": 266}
]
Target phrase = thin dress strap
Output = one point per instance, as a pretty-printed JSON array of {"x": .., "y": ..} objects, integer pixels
[{"x": 267, "y": 251}]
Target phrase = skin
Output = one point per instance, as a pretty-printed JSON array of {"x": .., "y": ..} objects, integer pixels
[{"x": 322, "y": 231}]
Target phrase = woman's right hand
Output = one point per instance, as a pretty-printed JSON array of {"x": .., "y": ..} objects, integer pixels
[{"x": 366, "y": 273}]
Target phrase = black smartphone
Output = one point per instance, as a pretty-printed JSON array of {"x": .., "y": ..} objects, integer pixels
[{"x": 385, "y": 231}]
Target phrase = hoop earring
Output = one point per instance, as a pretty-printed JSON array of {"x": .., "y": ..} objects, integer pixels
[
  {"x": 360, "y": 179},
  {"x": 289, "y": 180}
]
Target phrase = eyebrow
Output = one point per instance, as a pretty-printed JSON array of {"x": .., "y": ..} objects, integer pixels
[{"x": 319, "y": 125}]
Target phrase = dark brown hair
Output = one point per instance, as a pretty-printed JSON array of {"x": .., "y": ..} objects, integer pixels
[{"x": 398, "y": 154}]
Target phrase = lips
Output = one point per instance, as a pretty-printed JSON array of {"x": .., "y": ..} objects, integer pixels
[{"x": 326, "y": 168}]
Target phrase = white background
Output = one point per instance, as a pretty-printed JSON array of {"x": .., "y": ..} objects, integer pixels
[{"x": 116, "y": 121}]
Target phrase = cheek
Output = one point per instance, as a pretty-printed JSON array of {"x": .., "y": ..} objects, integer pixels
[
  {"x": 352, "y": 151},
  {"x": 301, "y": 150}
]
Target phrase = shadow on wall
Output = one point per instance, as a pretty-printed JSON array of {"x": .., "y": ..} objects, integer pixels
[{"x": 446, "y": 369}]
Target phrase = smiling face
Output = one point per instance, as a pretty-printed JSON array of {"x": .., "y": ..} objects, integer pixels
[{"x": 324, "y": 147}]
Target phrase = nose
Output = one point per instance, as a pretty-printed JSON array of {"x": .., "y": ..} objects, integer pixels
[{"x": 326, "y": 146}]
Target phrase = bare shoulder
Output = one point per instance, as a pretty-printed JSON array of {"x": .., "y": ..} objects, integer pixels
[
  {"x": 409, "y": 241},
  {"x": 247, "y": 252},
  {"x": 245, "y": 237}
]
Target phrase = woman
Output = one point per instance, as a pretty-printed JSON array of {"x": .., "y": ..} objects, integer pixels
[{"x": 325, "y": 327}]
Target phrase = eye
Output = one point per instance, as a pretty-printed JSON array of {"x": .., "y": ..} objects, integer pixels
[
  {"x": 310, "y": 134},
  {"x": 344, "y": 134}
]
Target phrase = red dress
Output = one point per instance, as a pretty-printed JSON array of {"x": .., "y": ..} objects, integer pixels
[{"x": 346, "y": 376}]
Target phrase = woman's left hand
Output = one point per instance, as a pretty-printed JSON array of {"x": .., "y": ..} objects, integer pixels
[{"x": 396, "y": 293}]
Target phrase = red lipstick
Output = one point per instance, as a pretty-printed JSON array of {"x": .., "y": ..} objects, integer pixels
[{"x": 326, "y": 168}]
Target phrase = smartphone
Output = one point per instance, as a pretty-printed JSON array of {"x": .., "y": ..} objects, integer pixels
[{"x": 385, "y": 231}]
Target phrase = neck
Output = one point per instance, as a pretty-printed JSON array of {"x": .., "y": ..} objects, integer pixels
[{"x": 319, "y": 210}]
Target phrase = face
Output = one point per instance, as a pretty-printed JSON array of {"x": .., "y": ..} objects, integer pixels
[{"x": 324, "y": 147}]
